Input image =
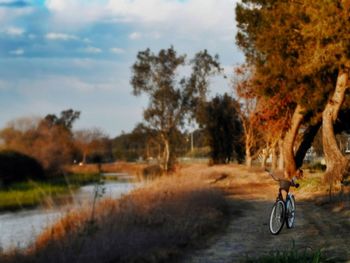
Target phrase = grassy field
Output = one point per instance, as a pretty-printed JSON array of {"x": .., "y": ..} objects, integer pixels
[
  {"x": 33, "y": 193},
  {"x": 155, "y": 223}
]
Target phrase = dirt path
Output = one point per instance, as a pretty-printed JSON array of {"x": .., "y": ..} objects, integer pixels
[{"x": 248, "y": 232}]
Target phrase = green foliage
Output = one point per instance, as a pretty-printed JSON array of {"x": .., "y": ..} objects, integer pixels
[
  {"x": 316, "y": 167},
  {"x": 32, "y": 193},
  {"x": 15, "y": 166},
  {"x": 139, "y": 143},
  {"x": 224, "y": 130},
  {"x": 171, "y": 99},
  {"x": 29, "y": 194},
  {"x": 66, "y": 119}
]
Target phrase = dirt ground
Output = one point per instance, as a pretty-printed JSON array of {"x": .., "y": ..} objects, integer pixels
[{"x": 251, "y": 195}]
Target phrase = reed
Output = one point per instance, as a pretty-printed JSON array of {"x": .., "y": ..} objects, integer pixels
[{"x": 152, "y": 224}]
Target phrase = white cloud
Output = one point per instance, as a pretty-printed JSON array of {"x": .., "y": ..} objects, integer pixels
[
  {"x": 8, "y": 15},
  {"x": 14, "y": 31},
  {"x": 189, "y": 17},
  {"x": 117, "y": 50},
  {"x": 92, "y": 50},
  {"x": 195, "y": 16},
  {"x": 60, "y": 36},
  {"x": 17, "y": 52},
  {"x": 135, "y": 35},
  {"x": 57, "y": 5},
  {"x": 76, "y": 13}
]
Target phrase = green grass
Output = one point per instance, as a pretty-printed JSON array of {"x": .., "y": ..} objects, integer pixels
[
  {"x": 292, "y": 255},
  {"x": 313, "y": 181},
  {"x": 33, "y": 193}
]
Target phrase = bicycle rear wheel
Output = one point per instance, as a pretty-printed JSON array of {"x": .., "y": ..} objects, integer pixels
[
  {"x": 277, "y": 217},
  {"x": 290, "y": 207}
]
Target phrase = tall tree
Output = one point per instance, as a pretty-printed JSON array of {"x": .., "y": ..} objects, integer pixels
[
  {"x": 327, "y": 29},
  {"x": 221, "y": 121},
  {"x": 91, "y": 142},
  {"x": 271, "y": 35},
  {"x": 243, "y": 85},
  {"x": 170, "y": 98}
]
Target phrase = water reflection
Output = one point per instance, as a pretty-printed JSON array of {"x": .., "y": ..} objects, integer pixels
[{"x": 19, "y": 229}]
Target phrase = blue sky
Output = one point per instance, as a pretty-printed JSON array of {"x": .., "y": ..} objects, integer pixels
[{"x": 60, "y": 54}]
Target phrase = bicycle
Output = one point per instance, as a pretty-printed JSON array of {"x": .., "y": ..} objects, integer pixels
[{"x": 282, "y": 210}]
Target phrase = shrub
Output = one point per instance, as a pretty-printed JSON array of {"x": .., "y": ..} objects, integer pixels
[
  {"x": 16, "y": 167},
  {"x": 152, "y": 171},
  {"x": 313, "y": 167}
]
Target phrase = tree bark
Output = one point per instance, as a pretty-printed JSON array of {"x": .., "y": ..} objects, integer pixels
[
  {"x": 280, "y": 155},
  {"x": 335, "y": 161},
  {"x": 274, "y": 159},
  {"x": 265, "y": 155},
  {"x": 166, "y": 155},
  {"x": 289, "y": 141},
  {"x": 248, "y": 158},
  {"x": 84, "y": 157},
  {"x": 306, "y": 143}
]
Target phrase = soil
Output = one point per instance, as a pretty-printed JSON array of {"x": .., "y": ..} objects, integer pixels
[{"x": 251, "y": 195}]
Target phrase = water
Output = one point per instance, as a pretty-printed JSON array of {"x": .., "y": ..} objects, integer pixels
[{"x": 20, "y": 229}]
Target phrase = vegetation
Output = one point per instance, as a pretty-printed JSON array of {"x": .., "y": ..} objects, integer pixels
[
  {"x": 223, "y": 128},
  {"x": 290, "y": 256},
  {"x": 32, "y": 193},
  {"x": 152, "y": 224},
  {"x": 15, "y": 167},
  {"x": 94, "y": 145},
  {"x": 171, "y": 99},
  {"x": 48, "y": 140},
  {"x": 292, "y": 53}
]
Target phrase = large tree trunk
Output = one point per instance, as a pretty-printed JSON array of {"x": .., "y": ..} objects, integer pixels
[
  {"x": 166, "y": 154},
  {"x": 308, "y": 138},
  {"x": 335, "y": 161},
  {"x": 248, "y": 157},
  {"x": 265, "y": 155},
  {"x": 280, "y": 155},
  {"x": 84, "y": 157},
  {"x": 147, "y": 150},
  {"x": 289, "y": 140},
  {"x": 274, "y": 159}
]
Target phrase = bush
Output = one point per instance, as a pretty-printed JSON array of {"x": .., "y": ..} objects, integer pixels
[
  {"x": 16, "y": 167},
  {"x": 152, "y": 171},
  {"x": 314, "y": 167}
]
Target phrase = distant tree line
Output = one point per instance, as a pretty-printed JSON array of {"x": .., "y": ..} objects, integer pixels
[{"x": 49, "y": 143}]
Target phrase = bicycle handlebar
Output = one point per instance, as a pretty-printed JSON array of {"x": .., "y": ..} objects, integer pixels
[{"x": 292, "y": 182}]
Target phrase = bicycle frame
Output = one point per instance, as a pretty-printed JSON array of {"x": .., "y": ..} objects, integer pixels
[{"x": 288, "y": 203}]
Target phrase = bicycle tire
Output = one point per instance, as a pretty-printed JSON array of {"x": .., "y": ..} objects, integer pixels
[
  {"x": 277, "y": 217},
  {"x": 290, "y": 211}
]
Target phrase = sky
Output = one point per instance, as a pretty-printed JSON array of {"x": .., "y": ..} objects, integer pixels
[{"x": 62, "y": 54}]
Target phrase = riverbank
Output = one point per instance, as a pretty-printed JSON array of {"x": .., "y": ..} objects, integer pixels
[
  {"x": 222, "y": 210},
  {"x": 155, "y": 223},
  {"x": 33, "y": 193}
]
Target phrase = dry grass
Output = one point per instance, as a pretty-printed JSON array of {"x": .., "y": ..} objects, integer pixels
[
  {"x": 117, "y": 167},
  {"x": 152, "y": 224}
]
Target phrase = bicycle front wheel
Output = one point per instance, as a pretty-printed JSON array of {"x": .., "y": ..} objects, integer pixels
[
  {"x": 290, "y": 206},
  {"x": 277, "y": 217}
]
